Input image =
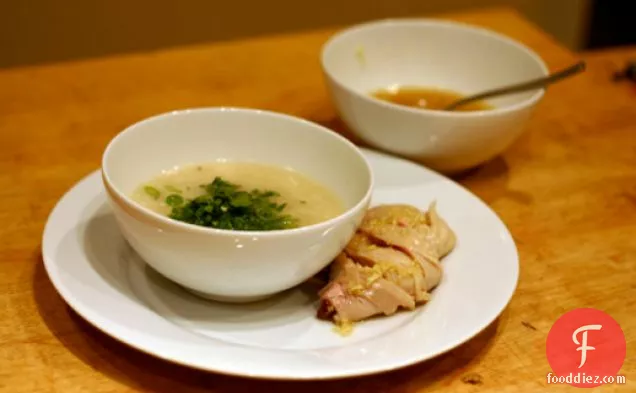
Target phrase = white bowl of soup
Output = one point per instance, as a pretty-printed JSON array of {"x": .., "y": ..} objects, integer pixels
[
  {"x": 235, "y": 204},
  {"x": 389, "y": 80}
]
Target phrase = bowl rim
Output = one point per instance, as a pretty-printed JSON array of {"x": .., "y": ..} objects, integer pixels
[
  {"x": 466, "y": 27},
  {"x": 187, "y": 227}
]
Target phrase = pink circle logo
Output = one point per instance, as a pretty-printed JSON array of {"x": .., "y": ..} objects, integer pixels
[{"x": 586, "y": 348}]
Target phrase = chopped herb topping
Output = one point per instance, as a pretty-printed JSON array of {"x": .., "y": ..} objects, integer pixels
[
  {"x": 174, "y": 200},
  {"x": 153, "y": 192},
  {"x": 226, "y": 206}
]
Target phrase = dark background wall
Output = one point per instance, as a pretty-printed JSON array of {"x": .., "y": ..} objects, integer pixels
[
  {"x": 611, "y": 23},
  {"x": 40, "y": 31}
]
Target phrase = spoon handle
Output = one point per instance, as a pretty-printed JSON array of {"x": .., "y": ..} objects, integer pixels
[{"x": 524, "y": 86}]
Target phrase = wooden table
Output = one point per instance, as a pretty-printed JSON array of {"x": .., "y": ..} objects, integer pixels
[{"x": 566, "y": 189}]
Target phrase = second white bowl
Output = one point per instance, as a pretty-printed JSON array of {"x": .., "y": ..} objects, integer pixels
[{"x": 437, "y": 54}]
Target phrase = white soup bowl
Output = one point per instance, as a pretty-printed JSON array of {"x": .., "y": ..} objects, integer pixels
[{"x": 226, "y": 265}]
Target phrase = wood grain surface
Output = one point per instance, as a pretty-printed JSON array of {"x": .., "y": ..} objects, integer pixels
[{"x": 566, "y": 189}]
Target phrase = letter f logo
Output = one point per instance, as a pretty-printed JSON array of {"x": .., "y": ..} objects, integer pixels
[{"x": 583, "y": 344}]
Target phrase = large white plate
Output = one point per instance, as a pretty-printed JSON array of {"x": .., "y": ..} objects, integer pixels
[{"x": 99, "y": 276}]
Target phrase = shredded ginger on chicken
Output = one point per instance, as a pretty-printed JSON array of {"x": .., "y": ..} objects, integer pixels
[{"x": 391, "y": 263}]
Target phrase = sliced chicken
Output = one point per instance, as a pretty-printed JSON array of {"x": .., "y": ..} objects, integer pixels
[
  {"x": 356, "y": 292},
  {"x": 391, "y": 263},
  {"x": 424, "y": 234}
]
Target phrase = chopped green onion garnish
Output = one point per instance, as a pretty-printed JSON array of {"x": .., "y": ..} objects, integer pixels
[
  {"x": 226, "y": 206},
  {"x": 153, "y": 192},
  {"x": 174, "y": 200}
]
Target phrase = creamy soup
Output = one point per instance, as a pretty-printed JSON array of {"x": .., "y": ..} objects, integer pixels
[{"x": 240, "y": 196}]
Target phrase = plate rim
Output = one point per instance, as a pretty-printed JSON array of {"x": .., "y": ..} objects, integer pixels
[{"x": 86, "y": 314}]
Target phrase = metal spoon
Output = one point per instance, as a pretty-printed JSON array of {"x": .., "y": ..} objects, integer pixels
[{"x": 524, "y": 86}]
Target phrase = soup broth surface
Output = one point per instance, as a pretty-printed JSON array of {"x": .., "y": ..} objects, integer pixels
[
  {"x": 306, "y": 200},
  {"x": 428, "y": 98}
]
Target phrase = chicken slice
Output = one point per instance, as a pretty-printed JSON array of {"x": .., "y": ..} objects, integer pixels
[
  {"x": 413, "y": 232},
  {"x": 394, "y": 265},
  {"x": 441, "y": 233},
  {"x": 406, "y": 227},
  {"x": 357, "y": 293},
  {"x": 391, "y": 262}
]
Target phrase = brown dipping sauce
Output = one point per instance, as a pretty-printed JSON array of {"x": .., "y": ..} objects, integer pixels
[{"x": 428, "y": 98}]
